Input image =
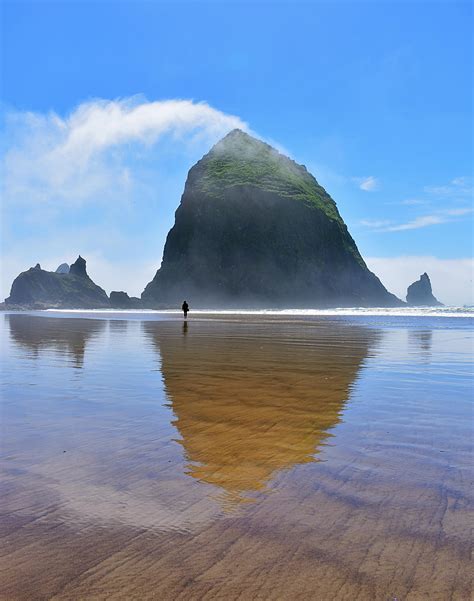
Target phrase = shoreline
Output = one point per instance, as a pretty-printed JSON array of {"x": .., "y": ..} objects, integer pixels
[{"x": 453, "y": 311}]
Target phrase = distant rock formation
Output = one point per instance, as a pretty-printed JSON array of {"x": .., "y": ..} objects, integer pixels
[
  {"x": 419, "y": 294},
  {"x": 40, "y": 289},
  {"x": 79, "y": 268},
  {"x": 63, "y": 268},
  {"x": 121, "y": 300},
  {"x": 255, "y": 229}
]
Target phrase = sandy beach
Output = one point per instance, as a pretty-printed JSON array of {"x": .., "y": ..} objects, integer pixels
[{"x": 236, "y": 457}]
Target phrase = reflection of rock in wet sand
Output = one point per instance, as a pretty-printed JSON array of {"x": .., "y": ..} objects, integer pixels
[
  {"x": 422, "y": 340},
  {"x": 118, "y": 326},
  {"x": 65, "y": 336},
  {"x": 251, "y": 399}
]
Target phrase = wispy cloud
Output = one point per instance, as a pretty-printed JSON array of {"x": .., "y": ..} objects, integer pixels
[
  {"x": 413, "y": 202},
  {"x": 460, "y": 181},
  {"x": 77, "y": 158},
  {"x": 457, "y": 187},
  {"x": 458, "y": 212},
  {"x": 368, "y": 184},
  {"x": 375, "y": 223},
  {"x": 441, "y": 216},
  {"x": 330, "y": 177},
  {"x": 417, "y": 223}
]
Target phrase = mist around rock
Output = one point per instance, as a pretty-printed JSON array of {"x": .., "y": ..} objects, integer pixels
[{"x": 253, "y": 230}]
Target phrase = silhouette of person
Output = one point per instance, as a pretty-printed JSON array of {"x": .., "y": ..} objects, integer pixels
[{"x": 185, "y": 308}]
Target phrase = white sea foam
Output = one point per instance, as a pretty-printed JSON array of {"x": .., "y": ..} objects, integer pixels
[{"x": 350, "y": 311}]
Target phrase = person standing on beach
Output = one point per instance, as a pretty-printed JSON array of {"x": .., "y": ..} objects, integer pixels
[{"x": 185, "y": 308}]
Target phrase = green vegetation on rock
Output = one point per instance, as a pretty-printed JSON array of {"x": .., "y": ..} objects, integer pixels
[{"x": 240, "y": 160}]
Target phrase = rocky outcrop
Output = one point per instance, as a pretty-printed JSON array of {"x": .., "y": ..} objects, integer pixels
[
  {"x": 41, "y": 289},
  {"x": 121, "y": 300},
  {"x": 63, "y": 268},
  {"x": 255, "y": 229},
  {"x": 420, "y": 294},
  {"x": 79, "y": 268}
]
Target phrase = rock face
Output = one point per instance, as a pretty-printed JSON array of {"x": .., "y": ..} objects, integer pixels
[
  {"x": 121, "y": 300},
  {"x": 63, "y": 268},
  {"x": 79, "y": 268},
  {"x": 255, "y": 229},
  {"x": 40, "y": 289},
  {"x": 419, "y": 294}
]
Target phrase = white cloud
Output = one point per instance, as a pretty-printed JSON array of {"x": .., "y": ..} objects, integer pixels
[
  {"x": 451, "y": 279},
  {"x": 413, "y": 202},
  {"x": 71, "y": 159},
  {"x": 442, "y": 216},
  {"x": 94, "y": 126},
  {"x": 368, "y": 184},
  {"x": 375, "y": 223},
  {"x": 458, "y": 212},
  {"x": 417, "y": 223},
  {"x": 458, "y": 186},
  {"x": 438, "y": 190},
  {"x": 461, "y": 181}
]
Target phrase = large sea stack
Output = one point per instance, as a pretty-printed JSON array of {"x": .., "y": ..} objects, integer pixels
[
  {"x": 255, "y": 229},
  {"x": 41, "y": 289}
]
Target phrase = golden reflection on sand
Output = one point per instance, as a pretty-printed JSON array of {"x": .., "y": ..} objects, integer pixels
[{"x": 250, "y": 403}]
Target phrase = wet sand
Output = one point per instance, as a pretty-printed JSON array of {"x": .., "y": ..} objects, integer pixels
[{"x": 265, "y": 458}]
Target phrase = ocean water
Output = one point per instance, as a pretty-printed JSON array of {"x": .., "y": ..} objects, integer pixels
[{"x": 255, "y": 455}]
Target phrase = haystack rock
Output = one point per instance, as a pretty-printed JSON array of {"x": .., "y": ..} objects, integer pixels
[
  {"x": 420, "y": 294},
  {"x": 255, "y": 229}
]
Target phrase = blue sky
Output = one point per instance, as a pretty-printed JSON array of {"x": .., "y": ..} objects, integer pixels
[{"x": 375, "y": 98}]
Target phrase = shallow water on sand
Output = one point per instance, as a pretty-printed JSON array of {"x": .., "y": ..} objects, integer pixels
[{"x": 236, "y": 457}]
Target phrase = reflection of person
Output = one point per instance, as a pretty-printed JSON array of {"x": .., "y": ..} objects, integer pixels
[{"x": 185, "y": 308}]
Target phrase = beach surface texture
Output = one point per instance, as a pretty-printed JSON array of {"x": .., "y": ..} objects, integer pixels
[{"x": 253, "y": 456}]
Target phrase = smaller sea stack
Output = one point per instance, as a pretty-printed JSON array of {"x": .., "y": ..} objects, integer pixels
[
  {"x": 41, "y": 289},
  {"x": 420, "y": 294}
]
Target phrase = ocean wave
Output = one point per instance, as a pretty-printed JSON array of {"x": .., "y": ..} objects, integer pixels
[{"x": 349, "y": 311}]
